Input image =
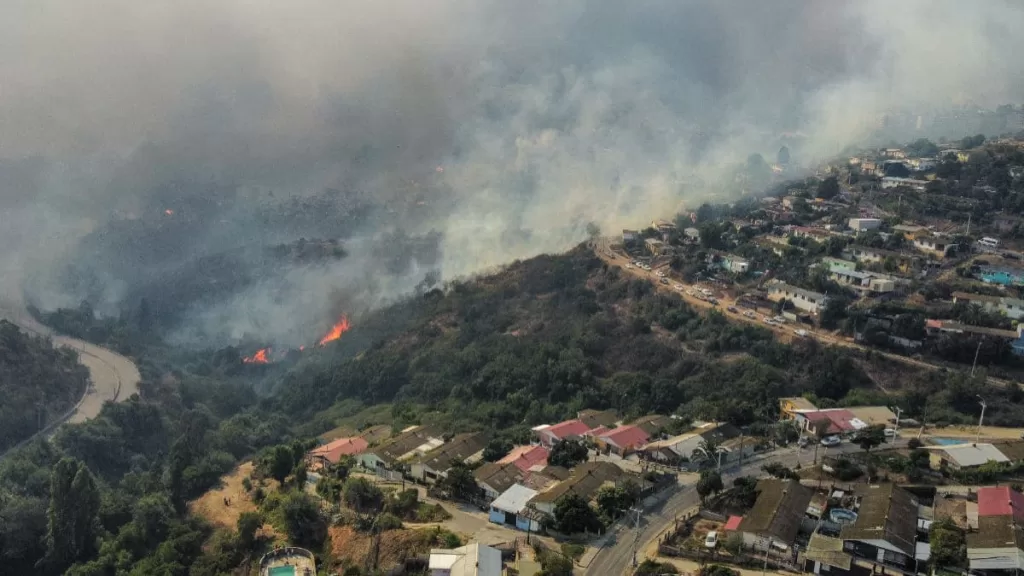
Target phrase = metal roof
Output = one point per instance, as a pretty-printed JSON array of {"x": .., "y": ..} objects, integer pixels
[
  {"x": 514, "y": 499},
  {"x": 967, "y": 455}
]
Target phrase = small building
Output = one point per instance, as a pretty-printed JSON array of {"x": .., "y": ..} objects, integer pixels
[
  {"x": 473, "y": 559},
  {"x": 333, "y": 451},
  {"x": 817, "y": 234},
  {"x": 494, "y": 478},
  {"x": 777, "y": 516},
  {"x": 413, "y": 441},
  {"x": 663, "y": 226},
  {"x": 734, "y": 263},
  {"x": 1001, "y": 501},
  {"x": 831, "y": 263},
  {"x": 623, "y": 440},
  {"x": 1002, "y": 275},
  {"x": 833, "y": 420},
  {"x": 896, "y": 182},
  {"x": 677, "y": 448},
  {"x": 885, "y": 531},
  {"x": 570, "y": 429},
  {"x": 864, "y": 224},
  {"x": 526, "y": 457},
  {"x": 468, "y": 448},
  {"x": 935, "y": 245},
  {"x": 510, "y": 508},
  {"x": 653, "y": 424},
  {"x": 963, "y": 456},
  {"x": 896, "y": 153},
  {"x": 630, "y": 236},
  {"x": 691, "y": 234},
  {"x": 654, "y": 246},
  {"x": 868, "y": 255},
  {"x": 586, "y": 480},
  {"x": 862, "y": 281},
  {"x": 805, "y": 300},
  {"x": 1010, "y": 307},
  {"x": 788, "y": 407}
]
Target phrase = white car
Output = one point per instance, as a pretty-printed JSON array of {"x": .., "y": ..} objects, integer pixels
[
  {"x": 749, "y": 314},
  {"x": 801, "y": 333},
  {"x": 678, "y": 286},
  {"x": 890, "y": 432},
  {"x": 831, "y": 441},
  {"x": 661, "y": 274},
  {"x": 711, "y": 540}
]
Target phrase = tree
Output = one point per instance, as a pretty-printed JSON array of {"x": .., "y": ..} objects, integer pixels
[
  {"x": 870, "y": 437},
  {"x": 574, "y": 515},
  {"x": 248, "y": 524},
  {"x": 554, "y": 564},
  {"x": 496, "y": 449},
  {"x": 709, "y": 483},
  {"x": 828, "y": 188},
  {"x": 948, "y": 547},
  {"x": 651, "y": 568},
  {"x": 568, "y": 453},
  {"x": 777, "y": 470},
  {"x": 717, "y": 570},
  {"x": 277, "y": 462},
  {"x": 612, "y": 501},
  {"x": 302, "y": 519},
  {"x": 72, "y": 514},
  {"x": 459, "y": 482},
  {"x": 922, "y": 148},
  {"x": 362, "y": 496}
]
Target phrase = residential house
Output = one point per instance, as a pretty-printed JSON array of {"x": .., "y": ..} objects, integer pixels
[
  {"x": 586, "y": 480},
  {"x": 663, "y": 226},
  {"x": 936, "y": 326},
  {"x": 831, "y": 263},
  {"x": 922, "y": 164},
  {"x": 867, "y": 282},
  {"x": 653, "y": 424},
  {"x": 997, "y": 547},
  {"x": 895, "y": 182},
  {"x": 468, "y": 448},
  {"x": 873, "y": 415},
  {"x": 511, "y": 508},
  {"x": 935, "y": 245},
  {"x": 473, "y": 559},
  {"x": 1010, "y": 307},
  {"x": 817, "y": 234},
  {"x": 550, "y": 435},
  {"x": 842, "y": 420},
  {"x": 805, "y": 300},
  {"x": 623, "y": 440},
  {"x": 411, "y": 442},
  {"x": 733, "y": 263},
  {"x": 333, "y": 451},
  {"x": 526, "y": 457},
  {"x": 963, "y": 456},
  {"x": 654, "y": 246},
  {"x": 594, "y": 418},
  {"x": 630, "y": 236},
  {"x": 864, "y": 224},
  {"x": 789, "y": 407},
  {"x": 868, "y": 255},
  {"x": 777, "y": 516},
  {"x": 376, "y": 434},
  {"x": 1001, "y": 501},
  {"x": 885, "y": 531},
  {"x": 494, "y": 478},
  {"x": 897, "y": 153},
  {"x": 681, "y": 447},
  {"x": 691, "y": 234}
]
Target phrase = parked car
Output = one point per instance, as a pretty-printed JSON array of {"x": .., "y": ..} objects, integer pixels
[
  {"x": 678, "y": 286},
  {"x": 664, "y": 281},
  {"x": 711, "y": 540},
  {"x": 890, "y": 432},
  {"x": 749, "y": 314},
  {"x": 801, "y": 333},
  {"x": 831, "y": 441},
  {"x": 731, "y": 309}
]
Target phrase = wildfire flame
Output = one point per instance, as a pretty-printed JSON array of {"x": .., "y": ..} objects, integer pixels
[
  {"x": 260, "y": 357},
  {"x": 339, "y": 328}
]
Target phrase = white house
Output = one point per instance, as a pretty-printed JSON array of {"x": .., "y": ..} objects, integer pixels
[
  {"x": 805, "y": 300},
  {"x": 473, "y": 559},
  {"x": 894, "y": 182},
  {"x": 1010, "y": 307},
  {"x": 864, "y": 224}
]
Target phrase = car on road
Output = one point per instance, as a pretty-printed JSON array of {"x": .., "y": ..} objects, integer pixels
[
  {"x": 749, "y": 314},
  {"x": 664, "y": 281},
  {"x": 731, "y": 309},
  {"x": 831, "y": 441},
  {"x": 890, "y": 432},
  {"x": 714, "y": 302},
  {"x": 711, "y": 540},
  {"x": 800, "y": 332},
  {"x": 661, "y": 273},
  {"x": 678, "y": 286},
  {"x": 628, "y": 265}
]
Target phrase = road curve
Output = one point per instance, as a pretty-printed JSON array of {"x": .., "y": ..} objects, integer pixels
[{"x": 112, "y": 377}]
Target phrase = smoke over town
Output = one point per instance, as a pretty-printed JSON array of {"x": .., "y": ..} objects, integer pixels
[{"x": 144, "y": 145}]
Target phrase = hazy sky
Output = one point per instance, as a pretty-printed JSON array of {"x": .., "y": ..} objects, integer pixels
[{"x": 542, "y": 116}]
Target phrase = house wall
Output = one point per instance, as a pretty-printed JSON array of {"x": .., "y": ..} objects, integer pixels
[
  {"x": 369, "y": 460},
  {"x": 545, "y": 507},
  {"x": 527, "y": 525},
  {"x": 496, "y": 516}
]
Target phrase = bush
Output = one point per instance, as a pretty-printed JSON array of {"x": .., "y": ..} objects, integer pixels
[
  {"x": 651, "y": 568},
  {"x": 388, "y": 521}
]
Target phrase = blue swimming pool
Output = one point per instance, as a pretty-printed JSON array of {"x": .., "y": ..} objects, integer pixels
[{"x": 948, "y": 441}]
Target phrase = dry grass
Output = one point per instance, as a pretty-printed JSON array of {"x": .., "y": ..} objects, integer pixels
[
  {"x": 350, "y": 547},
  {"x": 211, "y": 505}
]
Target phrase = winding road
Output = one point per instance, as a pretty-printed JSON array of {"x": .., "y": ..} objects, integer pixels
[{"x": 112, "y": 377}]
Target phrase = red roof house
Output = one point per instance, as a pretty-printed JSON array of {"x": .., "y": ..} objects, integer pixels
[
  {"x": 597, "y": 432},
  {"x": 549, "y": 435},
  {"x": 526, "y": 457},
  {"x": 733, "y": 524},
  {"x": 1000, "y": 501},
  {"x": 333, "y": 451},
  {"x": 839, "y": 420},
  {"x": 625, "y": 438}
]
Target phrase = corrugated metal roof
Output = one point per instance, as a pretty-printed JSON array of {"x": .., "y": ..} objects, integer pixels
[{"x": 514, "y": 499}]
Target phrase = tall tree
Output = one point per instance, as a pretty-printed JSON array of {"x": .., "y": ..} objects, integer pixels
[
  {"x": 710, "y": 482},
  {"x": 72, "y": 515}
]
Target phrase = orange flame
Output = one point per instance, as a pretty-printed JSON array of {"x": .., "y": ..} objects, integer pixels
[
  {"x": 339, "y": 328},
  {"x": 260, "y": 357}
]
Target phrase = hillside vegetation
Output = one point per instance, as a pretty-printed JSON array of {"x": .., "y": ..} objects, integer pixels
[{"x": 38, "y": 383}]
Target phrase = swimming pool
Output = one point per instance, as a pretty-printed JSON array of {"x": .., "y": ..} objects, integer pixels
[
  {"x": 842, "y": 516},
  {"x": 948, "y": 441},
  {"x": 282, "y": 571}
]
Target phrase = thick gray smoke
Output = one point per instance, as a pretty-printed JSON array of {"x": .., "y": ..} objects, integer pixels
[{"x": 505, "y": 127}]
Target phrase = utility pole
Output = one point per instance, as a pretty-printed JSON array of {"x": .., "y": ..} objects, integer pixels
[
  {"x": 896, "y": 431},
  {"x": 975, "y": 365},
  {"x": 980, "y": 420},
  {"x": 636, "y": 533},
  {"x": 968, "y": 225},
  {"x": 766, "y": 548}
]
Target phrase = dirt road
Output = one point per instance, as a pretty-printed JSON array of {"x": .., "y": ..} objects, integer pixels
[
  {"x": 602, "y": 248},
  {"x": 112, "y": 377}
]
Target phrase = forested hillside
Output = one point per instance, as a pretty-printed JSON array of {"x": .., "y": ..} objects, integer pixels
[{"x": 38, "y": 383}]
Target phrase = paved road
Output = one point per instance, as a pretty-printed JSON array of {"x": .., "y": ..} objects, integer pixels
[
  {"x": 113, "y": 378},
  {"x": 617, "y": 558},
  {"x": 602, "y": 248}
]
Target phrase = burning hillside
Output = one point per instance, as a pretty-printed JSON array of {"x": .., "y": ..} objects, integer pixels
[
  {"x": 262, "y": 356},
  {"x": 339, "y": 328}
]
